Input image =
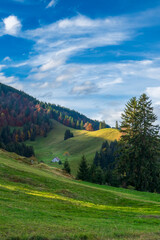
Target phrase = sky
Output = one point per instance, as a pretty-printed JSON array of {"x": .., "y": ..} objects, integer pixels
[{"x": 91, "y": 56}]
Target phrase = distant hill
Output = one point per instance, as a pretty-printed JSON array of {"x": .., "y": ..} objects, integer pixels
[{"x": 83, "y": 142}]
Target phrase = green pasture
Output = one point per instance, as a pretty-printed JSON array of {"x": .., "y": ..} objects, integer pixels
[
  {"x": 38, "y": 202},
  {"x": 83, "y": 142}
]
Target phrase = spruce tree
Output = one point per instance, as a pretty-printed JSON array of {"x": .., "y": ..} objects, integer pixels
[
  {"x": 99, "y": 175},
  {"x": 139, "y": 146},
  {"x": 117, "y": 125},
  {"x": 67, "y": 168},
  {"x": 83, "y": 171},
  {"x": 96, "y": 159}
]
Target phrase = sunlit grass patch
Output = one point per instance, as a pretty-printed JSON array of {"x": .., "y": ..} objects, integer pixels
[{"x": 81, "y": 203}]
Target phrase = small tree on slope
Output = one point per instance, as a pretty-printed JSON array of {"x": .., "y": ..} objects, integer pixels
[
  {"x": 67, "y": 168},
  {"x": 83, "y": 171}
]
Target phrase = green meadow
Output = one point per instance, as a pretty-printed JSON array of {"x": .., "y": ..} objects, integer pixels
[
  {"x": 38, "y": 202},
  {"x": 83, "y": 142}
]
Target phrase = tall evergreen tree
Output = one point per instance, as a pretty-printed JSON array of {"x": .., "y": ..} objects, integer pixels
[
  {"x": 83, "y": 171},
  {"x": 139, "y": 146}
]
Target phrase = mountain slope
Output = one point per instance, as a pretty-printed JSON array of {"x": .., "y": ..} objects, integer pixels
[
  {"x": 23, "y": 117},
  {"x": 83, "y": 142},
  {"x": 18, "y": 108},
  {"x": 37, "y": 201}
]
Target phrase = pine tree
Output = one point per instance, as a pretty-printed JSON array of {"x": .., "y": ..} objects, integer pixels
[
  {"x": 117, "y": 127},
  {"x": 99, "y": 176},
  {"x": 139, "y": 146},
  {"x": 67, "y": 168},
  {"x": 103, "y": 124},
  {"x": 83, "y": 171},
  {"x": 82, "y": 124}
]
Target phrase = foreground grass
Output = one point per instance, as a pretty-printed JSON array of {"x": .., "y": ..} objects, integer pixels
[
  {"x": 84, "y": 142},
  {"x": 40, "y": 203}
]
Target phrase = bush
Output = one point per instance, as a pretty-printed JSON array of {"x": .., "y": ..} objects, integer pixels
[{"x": 68, "y": 134}]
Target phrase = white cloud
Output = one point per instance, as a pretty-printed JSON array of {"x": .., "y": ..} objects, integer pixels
[
  {"x": 7, "y": 59},
  {"x": 11, "y": 81},
  {"x": 6, "y": 80},
  {"x": 86, "y": 88},
  {"x": 57, "y": 42},
  {"x": 63, "y": 77},
  {"x": 2, "y": 66},
  {"x": 12, "y": 25},
  {"x": 51, "y": 3},
  {"x": 80, "y": 21},
  {"x": 110, "y": 83},
  {"x": 44, "y": 85},
  {"x": 50, "y": 65},
  {"x": 153, "y": 92},
  {"x": 38, "y": 76},
  {"x": 110, "y": 115}
]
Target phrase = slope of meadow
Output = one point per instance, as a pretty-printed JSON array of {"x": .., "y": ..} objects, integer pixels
[
  {"x": 39, "y": 203},
  {"x": 83, "y": 142}
]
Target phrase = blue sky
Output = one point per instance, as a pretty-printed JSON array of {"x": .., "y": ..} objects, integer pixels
[{"x": 91, "y": 56}]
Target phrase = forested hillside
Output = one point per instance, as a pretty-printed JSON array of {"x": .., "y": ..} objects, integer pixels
[
  {"x": 18, "y": 108},
  {"x": 23, "y": 117}
]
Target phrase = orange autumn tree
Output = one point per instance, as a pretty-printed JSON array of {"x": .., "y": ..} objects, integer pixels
[{"x": 89, "y": 127}]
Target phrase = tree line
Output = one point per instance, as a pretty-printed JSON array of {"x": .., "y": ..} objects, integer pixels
[{"x": 9, "y": 142}]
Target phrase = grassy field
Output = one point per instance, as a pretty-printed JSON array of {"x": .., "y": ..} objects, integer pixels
[
  {"x": 38, "y": 203},
  {"x": 84, "y": 142}
]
